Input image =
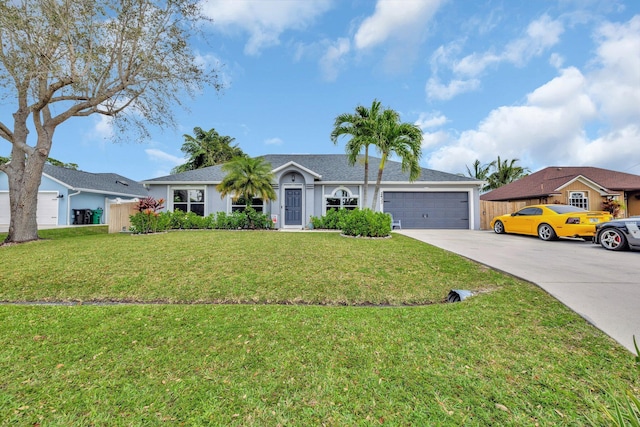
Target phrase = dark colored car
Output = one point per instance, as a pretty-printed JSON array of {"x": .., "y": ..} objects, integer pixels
[{"x": 619, "y": 234}]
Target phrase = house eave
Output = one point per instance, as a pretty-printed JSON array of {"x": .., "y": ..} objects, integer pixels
[{"x": 109, "y": 193}]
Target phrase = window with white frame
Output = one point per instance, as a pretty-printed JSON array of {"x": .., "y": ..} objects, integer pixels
[
  {"x": 579, "y": 199},
  {"x": 189, "y": 200},
  {"x": 341, "y": 198},
  {"x": 240, "y": 204}
]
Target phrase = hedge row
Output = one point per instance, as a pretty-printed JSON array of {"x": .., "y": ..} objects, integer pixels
[
  {"x": 153, "y": 222},
  {"x": 356, "y": 222}
]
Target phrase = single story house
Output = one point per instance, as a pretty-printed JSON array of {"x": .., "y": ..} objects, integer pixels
[
  {"x": 583, "y": 186},
  {"x": 68, "y": 196},
  {"x": 308, "y": 185}
]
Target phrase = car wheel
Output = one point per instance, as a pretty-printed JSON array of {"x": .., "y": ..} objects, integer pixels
[
  {"x": 546, "y": 232},
  {"x": 613, "y": 239},
  {"x": 498, "y": 227}
]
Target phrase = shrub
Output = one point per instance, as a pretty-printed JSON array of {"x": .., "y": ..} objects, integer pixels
[
  {"x": 366, "y": 223},
  {"x": 148, "y": 220},
  {"x": 332, "y": 220},
  {"x": 317, "y": 222}
]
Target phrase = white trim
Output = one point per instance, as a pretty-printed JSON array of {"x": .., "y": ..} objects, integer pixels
[
  {"x": 296, "y": 165},
  {"x": 332, "y": 195},
  {"x": 170, "y": 202},
  {"x": 589, "y": 183}
]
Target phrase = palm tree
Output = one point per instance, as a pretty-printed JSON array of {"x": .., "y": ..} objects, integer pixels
[
  {"x": 481, "y": 172},
  {"x": 207, "y": 148},
  {"x": 390, "y": 137},
  {"x": 505, "y": 172},
  {"x": 247, "y": 178},
  {"x": 360, "y": 127}
]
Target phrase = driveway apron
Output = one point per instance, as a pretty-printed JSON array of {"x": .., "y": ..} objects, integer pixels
[{"x": 602, "y": 286}]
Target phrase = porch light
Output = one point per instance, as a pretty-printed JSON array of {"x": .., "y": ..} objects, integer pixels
[{"x": 293, "y": 177}]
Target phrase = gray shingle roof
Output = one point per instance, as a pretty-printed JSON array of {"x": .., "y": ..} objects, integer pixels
[
  {"x": 106, "y": 183},
  {"x": 331, "y": 168}
]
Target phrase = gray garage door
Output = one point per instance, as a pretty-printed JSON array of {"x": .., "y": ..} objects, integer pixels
[{"x": 428, "y": 210}]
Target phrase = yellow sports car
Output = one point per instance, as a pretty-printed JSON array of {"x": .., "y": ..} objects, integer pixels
[{"x": 551, "y": 221}]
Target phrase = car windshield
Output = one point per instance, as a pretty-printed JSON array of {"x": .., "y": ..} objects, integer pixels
[{"x": 563, "y": 209}]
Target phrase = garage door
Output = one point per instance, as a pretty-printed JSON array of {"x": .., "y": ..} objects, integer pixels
[
  {"x": 428, "y": 210},
  {"x": 47, "y": 213}
]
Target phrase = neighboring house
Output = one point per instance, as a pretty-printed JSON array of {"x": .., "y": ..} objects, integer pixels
[
  {"x": 66, "y": 195},
  {"x": 309, "y": 185},
  {"x": 585, "y": 187}
]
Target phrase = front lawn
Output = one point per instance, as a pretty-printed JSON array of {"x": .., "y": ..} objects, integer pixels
[{"x": 321, "y": 330}]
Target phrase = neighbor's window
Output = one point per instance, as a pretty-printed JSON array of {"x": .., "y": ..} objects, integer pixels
[
  {"x": 578, "y": 199},
  {"x": 341, "y": 199},
  {"x": 240, "y": 204},
  {"x": 189, "y": 200}
]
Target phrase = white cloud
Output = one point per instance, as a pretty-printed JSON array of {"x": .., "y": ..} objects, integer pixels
[
  {"x": 437, "y": 90},
  {"x": 435, "y": 139},
  {"x": 550, "y": 127},
  {"x": 273, "y": 141},
  {"x": 556, "y": 60},
  {"x": 333, "y": 58},
  {"x": 395, "y": 19},
  {"x": 156, "y": 155},
  {"x": 103, "y": 126},
  {"x": 540, "y": 35},
  {"x": 616, "y": 80},
  {"x": 426, "y": 121},
  {"x": 263, "y": 20},
  {"x": 401, "y": 26}
]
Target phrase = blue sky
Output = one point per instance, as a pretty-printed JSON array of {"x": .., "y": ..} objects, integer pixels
[{"x": 548, "y": 82}]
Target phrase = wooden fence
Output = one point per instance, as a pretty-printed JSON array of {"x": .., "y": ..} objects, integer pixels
[
  {"x": 490, "y": 209},
  {"x": 119, "y": 216}
]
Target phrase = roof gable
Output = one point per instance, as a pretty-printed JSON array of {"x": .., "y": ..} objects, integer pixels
[
  {"x": 551, "y": 180},
  {"x": 297, "y": 166}
]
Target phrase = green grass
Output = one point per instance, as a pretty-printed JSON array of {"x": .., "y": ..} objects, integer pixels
[{"x": 511, "y": 355}]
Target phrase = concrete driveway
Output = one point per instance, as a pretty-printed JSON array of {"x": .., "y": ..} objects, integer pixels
[{"x": 602, "y": 286}]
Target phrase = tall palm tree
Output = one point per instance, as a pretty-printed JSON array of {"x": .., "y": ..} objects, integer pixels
[
  {"x": 390, "y": 137},
  {"x": 247, "y": 178},
  {"x": 360, "y": 127},
  {"x": 207, "y": 148},
  {"x": 505, "y": 172},
  {"x": 481, "y": 172}
]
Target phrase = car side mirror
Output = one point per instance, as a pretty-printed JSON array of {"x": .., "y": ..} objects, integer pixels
[{"x": 514, "y": 214}]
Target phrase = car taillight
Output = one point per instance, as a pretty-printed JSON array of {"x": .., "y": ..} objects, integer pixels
[{"x": 573, "y": 220}]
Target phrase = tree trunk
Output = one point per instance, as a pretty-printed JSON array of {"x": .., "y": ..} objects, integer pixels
[
  {"x": 376, "y": 192},
  {"x": 366, "y": 176},
  {"x": 24, "y": 173}
]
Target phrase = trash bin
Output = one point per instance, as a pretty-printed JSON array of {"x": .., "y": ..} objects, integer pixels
[
  {"x": 97, "y": 216},
  {"x": 86, "y": 216},
  {"x": 77, "y": 216}
]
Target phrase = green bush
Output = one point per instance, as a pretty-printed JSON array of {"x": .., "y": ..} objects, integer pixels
[
  {"x": 153, "y": 222},
  {"x": 332, "y": 220},
  {"x": 317, "y": 222},
  {"x": 366, "y": 223},
  {"x": 357, "y": 222}
]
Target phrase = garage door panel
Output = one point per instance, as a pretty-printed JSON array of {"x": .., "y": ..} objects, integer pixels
[
  {"x": 447, "y": 210},
  {"x": 46, "y": 214}
]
